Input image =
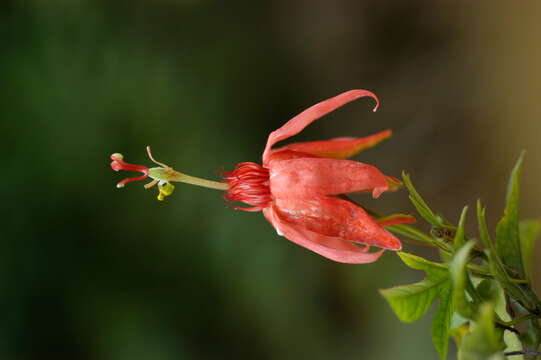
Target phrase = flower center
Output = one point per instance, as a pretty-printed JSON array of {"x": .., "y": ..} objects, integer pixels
[{"x": 249, "y": 183}]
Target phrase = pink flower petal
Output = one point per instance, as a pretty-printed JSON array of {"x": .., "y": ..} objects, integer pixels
[
  {"x": 305, "y": 177},
  {"x": 287, "y": 155},
  {"x": 335, "y": 218},
  {"x": 339, "y": 148},
  {"x": 305, "y": 118},
  {"x": 330, "y": 247}
]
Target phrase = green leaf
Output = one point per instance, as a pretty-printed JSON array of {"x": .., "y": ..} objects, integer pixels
[
  {"x": 489, "y": 290},
  {"x": 441, "y": 324},
  {"x": 410, "y": 302},
  {"x": 419, "y": 263},
  {"x": 409, "y": 232},
  {"x": 526, "y": 298},
  {"x": 507, "y": 232},
  {"x": 533, "y": 333},
  {"x": 494, "y": 261},
  {"x": 461, "y": 280},
  {"x": 511, "y": 339},
  {"x": 484, "y": 341},
  {"x": 529, "y": 231},
  {"x": 483, "y": 229},
  {"x": 460, "y": 237},
  {"x": 421, "y": 206}
]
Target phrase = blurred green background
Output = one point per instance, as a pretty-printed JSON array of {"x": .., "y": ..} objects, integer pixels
[{"x": 91, "y": 272}]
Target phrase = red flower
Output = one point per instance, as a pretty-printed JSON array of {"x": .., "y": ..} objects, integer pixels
[
  {"x": 297, "y": 185},
  {"x": 297, "y": 188}
]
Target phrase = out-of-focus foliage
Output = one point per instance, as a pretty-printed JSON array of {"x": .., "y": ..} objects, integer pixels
[
  {"x": 91, "y": 272},
  {"x": 484, "y": 341},
  {"x": 529, "y": 232},
  {"x": 483, "y": 319}
]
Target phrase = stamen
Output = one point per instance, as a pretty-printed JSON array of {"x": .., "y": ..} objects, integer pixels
[
  {"x": 151, "y": 184},
  {"x": 165, "y": 190}
]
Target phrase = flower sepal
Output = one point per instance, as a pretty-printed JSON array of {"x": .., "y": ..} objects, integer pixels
[{"x": 395, "y": 219}]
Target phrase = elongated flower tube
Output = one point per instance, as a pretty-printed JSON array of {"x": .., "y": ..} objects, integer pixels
[{"x": 297, "y": 187}]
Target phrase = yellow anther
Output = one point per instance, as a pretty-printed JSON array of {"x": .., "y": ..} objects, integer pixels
[{"x": 165, "y": 190}]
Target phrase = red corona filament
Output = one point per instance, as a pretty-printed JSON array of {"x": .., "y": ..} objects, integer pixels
[{"x": 249, "y": 183}]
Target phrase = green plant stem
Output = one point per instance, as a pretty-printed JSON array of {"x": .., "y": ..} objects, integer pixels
[
  {"x": 478, "y": 271},
  {"x": 519, "y": 281},
  {"x": 442, "y": 245},
  {"x": 522, "y": 352},
  {"x": 410, "y": 232},
  {"x": 519, "y": 319},
  {"x": 502, "y": 325}
]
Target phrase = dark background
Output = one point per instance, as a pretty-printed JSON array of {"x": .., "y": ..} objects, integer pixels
[{"x": 91, "y": 272}]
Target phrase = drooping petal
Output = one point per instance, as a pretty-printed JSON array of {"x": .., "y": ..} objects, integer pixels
[
  {"x": 335, "y": 218},
  {"x": 330, "y": 247},
  {"x": 306, "y": 177},
  {"x": 302, "y": 120},
  {"x": 339, "y": 148},
  {"x": 288, "y": 154}
]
